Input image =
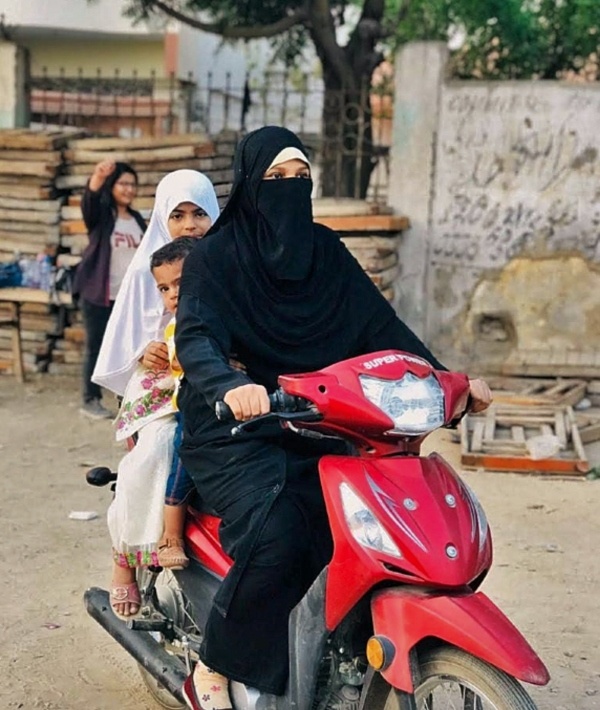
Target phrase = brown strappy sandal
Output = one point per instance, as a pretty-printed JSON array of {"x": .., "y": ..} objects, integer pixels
[{"x": 171, "y": 554}]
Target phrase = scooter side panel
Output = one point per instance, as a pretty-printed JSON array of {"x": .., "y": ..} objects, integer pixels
[
  {"x": 202, "y": 541},
  {"x": 409, "y": 497},
  {"x": 471, "y": 622}
]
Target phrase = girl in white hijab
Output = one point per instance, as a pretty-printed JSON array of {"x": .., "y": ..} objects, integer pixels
[
  {"x": 137, "y": 319},
  {"x": 133, "y": 363}
]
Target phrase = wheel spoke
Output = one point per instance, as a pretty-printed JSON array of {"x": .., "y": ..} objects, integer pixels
[{"x": 471, "y": 701}]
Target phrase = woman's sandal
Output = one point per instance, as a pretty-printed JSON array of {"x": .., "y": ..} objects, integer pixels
[
  {"x": 205, "y": 689},
  {"x": 122, "y": 594}
]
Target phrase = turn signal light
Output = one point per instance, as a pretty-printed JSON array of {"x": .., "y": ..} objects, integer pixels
[{"x": 380, "y": 652}]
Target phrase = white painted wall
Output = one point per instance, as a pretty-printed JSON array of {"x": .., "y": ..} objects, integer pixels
[{"x": 99, "y": 15}]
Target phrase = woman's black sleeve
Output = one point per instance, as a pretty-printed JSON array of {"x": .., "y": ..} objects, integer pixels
[
  {"x": 91, "y": 208},
  {"x": 396, "y": 335},
  {"x": 202, "y": 344}
]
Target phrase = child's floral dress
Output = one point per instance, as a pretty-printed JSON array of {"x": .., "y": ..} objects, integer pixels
[
  {"x": 149, "y": 395},
  {"x": 135, "y": 516}
]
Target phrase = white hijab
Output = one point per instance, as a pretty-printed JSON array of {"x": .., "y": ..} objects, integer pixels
[{"x": 138, "y": 315}]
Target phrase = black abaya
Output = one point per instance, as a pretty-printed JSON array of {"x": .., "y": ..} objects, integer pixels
[{"x": 243, "y": 292}]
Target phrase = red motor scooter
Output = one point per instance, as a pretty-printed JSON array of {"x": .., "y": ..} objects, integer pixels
[{"x": 395, "y": 620}]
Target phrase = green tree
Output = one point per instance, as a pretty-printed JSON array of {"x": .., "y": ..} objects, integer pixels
[
  {"x": 510, "y": 39},
  {"x": 347, "y": 67},
  {"x": 499, "y": 39}
]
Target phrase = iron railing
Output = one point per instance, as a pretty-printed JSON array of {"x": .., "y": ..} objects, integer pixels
[{"x": 349, "y": 135}]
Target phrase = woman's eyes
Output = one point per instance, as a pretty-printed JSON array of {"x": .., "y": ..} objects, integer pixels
[{"x": 282, "y": 176}]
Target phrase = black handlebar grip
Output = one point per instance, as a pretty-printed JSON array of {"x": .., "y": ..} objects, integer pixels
[
  {"x": 100, "y": 476},
  {"x": 280, "y": 402},
  {"x": 223, "y": 412}
]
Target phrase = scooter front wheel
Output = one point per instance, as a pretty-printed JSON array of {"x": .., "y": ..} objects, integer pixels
[{"x": 451, "y": 679}]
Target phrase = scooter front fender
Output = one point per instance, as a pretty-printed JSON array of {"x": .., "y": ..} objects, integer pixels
[{"x": 471, "y": 622}]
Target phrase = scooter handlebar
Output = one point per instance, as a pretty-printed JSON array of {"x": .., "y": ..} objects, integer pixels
[{"x": 279, "y": 400}]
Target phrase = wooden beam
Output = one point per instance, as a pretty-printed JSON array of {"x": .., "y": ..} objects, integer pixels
[
  {"x": 518, "y": 464},
  {"x": 110, "y": 144},
  {"x": 365, "y": 223}
]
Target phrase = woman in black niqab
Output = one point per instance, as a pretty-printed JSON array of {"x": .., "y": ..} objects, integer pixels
[{"x": 285, "y": 295}]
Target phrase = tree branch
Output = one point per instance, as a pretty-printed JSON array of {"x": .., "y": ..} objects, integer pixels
[
  {"x": 322, "y": 30},
  {"x": 297, "y": 18}
]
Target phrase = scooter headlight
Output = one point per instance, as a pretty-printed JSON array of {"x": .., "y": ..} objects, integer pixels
[
  {"x": 415, "y": 405},
  {"x": 363, "y": 524}
]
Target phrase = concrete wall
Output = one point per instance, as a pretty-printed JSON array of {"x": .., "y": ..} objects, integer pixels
[
  {"x": 14, "y": 102},
  {"x": 507, "y": 235}
]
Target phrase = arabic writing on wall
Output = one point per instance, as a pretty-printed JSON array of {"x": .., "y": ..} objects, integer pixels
[{"x": 517, "y": 168}]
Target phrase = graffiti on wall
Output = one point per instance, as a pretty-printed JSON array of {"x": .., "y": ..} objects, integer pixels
[{"x": 517, "y": 170}]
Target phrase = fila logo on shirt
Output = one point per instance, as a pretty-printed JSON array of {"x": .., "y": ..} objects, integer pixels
[{"x": 126, "y": 240}]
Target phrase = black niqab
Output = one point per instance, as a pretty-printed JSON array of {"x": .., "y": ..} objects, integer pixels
[
  {"x": 276, "y": 279},
  {"x": 271, "y": 219}
]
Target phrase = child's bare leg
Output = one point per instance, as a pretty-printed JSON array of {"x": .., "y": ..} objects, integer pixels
[
  {"x": 174, "y": 517},
  {"x": 124, "y": 594},
  {"x": 170, "y": 549}
]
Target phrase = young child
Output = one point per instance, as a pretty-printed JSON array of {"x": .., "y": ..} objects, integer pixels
[
  {"x": 134, "y": 363},
  {"x": 145, "y": 510},
  {"x": 166, "y": 265}
]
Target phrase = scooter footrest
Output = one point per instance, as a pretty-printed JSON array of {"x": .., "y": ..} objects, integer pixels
[{"x": 163, "y": 625}]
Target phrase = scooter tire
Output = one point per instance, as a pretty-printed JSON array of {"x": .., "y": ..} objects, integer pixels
[{"x": 495, "y": 689}]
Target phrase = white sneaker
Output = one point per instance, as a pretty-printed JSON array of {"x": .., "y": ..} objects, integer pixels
[{"x": 94, "y": 410}]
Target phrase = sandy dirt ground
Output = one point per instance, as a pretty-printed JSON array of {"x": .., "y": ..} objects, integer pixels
[{"x": 546, "y": 575}]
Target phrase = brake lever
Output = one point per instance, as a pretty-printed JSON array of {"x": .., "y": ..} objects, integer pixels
[{"x": 251, "y": 425}]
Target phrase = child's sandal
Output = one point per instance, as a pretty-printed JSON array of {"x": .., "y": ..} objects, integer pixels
[
  {"x": 125, "y": 594},
  {"x": 171, "y": 554}
]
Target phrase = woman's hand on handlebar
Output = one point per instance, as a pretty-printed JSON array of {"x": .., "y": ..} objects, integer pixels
[
  {"x": 156, "y": 356},
  {"x": 248, "y": 401},
  {"x": 481, "y": 395}
]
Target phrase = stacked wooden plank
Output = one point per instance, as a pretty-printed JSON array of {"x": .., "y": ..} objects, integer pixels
[
  {"x": 527, "y": 391},
  {"x": 579, "y": 361},
  {"x": 55, "y": 181},
  {"x": 38, "y": 332},
  {"x": 152, "y": 158},
  {"x": 371, "y": 234},
  {"x": 68, "y": 351},
  {"x": 30, "y": 163},
  {"x": 536, "y": 425}
]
